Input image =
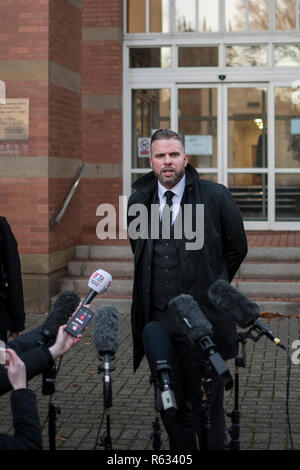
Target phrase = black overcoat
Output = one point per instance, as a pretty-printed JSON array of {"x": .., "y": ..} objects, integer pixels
[
  {"x": 223, "y": 250},
  {"x": 12, "y": 316}
]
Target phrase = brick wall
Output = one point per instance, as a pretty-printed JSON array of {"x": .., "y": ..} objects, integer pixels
[
  {"x": 64, "y": 119},
  {"x": 23, "y": 56},
  {"x": 102, "y": 109}
]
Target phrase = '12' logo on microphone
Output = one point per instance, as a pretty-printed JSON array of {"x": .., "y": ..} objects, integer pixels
[{"x": 98, "y": 277}]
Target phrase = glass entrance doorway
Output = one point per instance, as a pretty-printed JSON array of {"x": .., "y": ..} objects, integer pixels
[
  {"x": 225, "y": 130},
  {"x": 247, "y": 136},
  {"x": 243, "y": 135}
]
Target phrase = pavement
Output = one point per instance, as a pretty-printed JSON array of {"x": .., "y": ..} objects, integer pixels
[{"x": 262, "y": 397}]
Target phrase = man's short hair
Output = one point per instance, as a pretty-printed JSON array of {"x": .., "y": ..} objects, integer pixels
[{"x": 165, "y": 134}]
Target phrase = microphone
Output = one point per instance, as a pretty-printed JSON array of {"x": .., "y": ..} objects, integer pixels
[
  {"x": 239, "y": 308},
  {"x": 160, "y": 354},
  {"x": 99, "y": 282},
  {"x": 106, "y": 341},
  {"x": 63, "y": 308},
  {"x": 199, "y": 331},
  {"x": 106, "y": 330}
]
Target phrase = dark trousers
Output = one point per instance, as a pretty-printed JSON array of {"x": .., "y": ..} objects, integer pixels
[{"x": 187, "y": 424}]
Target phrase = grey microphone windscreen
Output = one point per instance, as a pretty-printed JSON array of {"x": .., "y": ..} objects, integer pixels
[
  {"x": 233, "y": 303},
  {"x": 190, "y": 317},
  {"x": 63, "y": 308},
  {"x": 106, "y": 330}
]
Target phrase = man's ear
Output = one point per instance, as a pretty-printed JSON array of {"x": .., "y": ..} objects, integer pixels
[{"x": 150, "y": 160}]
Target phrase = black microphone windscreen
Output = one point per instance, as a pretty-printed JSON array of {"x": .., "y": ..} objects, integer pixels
[
  {"x": 157, "y": 344},
  {"x": 191, "y": 318},
  {"x": 63, "y": 308},
  {"x": 233, "y": 303},
  {"x": 106, "y": 330}
]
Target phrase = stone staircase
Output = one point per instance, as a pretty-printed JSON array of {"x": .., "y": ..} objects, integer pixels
[
  {"x": 117, "y": 260},
  {"x": 269, "y": 276}
]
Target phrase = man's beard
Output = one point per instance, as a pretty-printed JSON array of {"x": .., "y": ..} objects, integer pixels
[{"x": 171, "y": 181}]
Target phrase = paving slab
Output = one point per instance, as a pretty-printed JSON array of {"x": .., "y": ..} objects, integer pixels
[{"x": 263, "y": 394}]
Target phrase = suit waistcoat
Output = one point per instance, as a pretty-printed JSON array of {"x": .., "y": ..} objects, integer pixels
[{"x": 166, "y": 277}]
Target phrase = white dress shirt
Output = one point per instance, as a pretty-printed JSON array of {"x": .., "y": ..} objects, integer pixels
[{"x": 178, "y": 191}]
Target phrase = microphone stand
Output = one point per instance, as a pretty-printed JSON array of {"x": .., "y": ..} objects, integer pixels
[
  {"x": 155, "y": 435},
  {"x": 211, "y": 360},
  {"x": 240, "y": 361},
  {"x": 234, "y": 431},
  {"x": 105, "y": 440},
  {"x": 48, "y": 388},
  {"x": 206, "y": 383}
]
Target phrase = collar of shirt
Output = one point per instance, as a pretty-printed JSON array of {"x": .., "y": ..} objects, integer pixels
[{"x": 178, "y": 191}]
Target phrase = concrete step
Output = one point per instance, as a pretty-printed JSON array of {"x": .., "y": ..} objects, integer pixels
[
  {"x": 85, "y": 267},
  {"x": 269, "y": 275},
  {"x": 80, "y": 286},
  {"x": 265, "y": 254},
  {"x": 124, "y": 252},
  {"x": 262, "y": 288},
  {"x": 269, "y": 270},
  {"x": 283, "y": 307},
  {"x": 103, "y": 252}
]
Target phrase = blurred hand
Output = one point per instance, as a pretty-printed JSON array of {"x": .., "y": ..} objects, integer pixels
[
  {"x": 13, "y": 334},
  {"x": 16, "y": 370},
  {"x": 64, "y": 342}
]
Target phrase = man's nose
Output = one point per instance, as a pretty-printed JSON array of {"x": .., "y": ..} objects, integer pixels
[{"x": 168, "y": 158}]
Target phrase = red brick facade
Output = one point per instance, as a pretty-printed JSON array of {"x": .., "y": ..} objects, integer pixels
[{"x": 45, "y": 57}]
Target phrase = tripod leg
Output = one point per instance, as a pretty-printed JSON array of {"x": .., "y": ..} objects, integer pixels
[
  {"x": 52, "y": 424},
  {"x": 235, "y": 416}
]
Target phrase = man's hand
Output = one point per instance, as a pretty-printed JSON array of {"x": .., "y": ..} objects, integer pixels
[
  {"x": 64, "y": 342},
  {"x": 16, "y": 370}
]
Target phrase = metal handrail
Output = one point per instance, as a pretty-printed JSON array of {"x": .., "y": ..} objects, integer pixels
[{"x": 60, "y": 214}]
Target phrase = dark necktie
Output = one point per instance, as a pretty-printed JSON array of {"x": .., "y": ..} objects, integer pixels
[{"x": 167, "y": 219}]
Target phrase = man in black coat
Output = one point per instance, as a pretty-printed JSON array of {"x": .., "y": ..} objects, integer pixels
[
  {"x": 166, "y": 268},
  {"x": 12, "y": 316}
]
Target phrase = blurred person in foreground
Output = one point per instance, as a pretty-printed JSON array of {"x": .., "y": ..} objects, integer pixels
[{"x": 28, "y": 434}]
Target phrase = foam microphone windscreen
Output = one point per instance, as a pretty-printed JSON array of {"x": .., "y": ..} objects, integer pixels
[
  {"x": 233, "y": 303},
  {"x": 63, "y": 308},
  {"x": 106, "y": 330},
  {"x": 157, "y": 344},
  {"x": 190, "y": 317}
]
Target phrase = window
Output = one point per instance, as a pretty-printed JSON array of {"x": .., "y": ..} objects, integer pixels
[
  {"x": 285, "y": 14},
  {"x": 150, "y": 111},
  {"x": 185, "y": 19},
  {"x": 287, "y": 55},
  {"x": 159, "y": 16},
  {"x": 141, "y": 57},
  {"x": 246, "y": 56},
  {"x": 208, "y": 15},
  {"x": 205, "y": 16},
  {"x": 198, "y": 56}
]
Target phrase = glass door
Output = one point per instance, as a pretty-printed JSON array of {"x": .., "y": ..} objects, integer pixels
[
  {"x": 245, "y": 151},
  {"x": 199, "y": 123},
  {"x": 225, "y": 129}
]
